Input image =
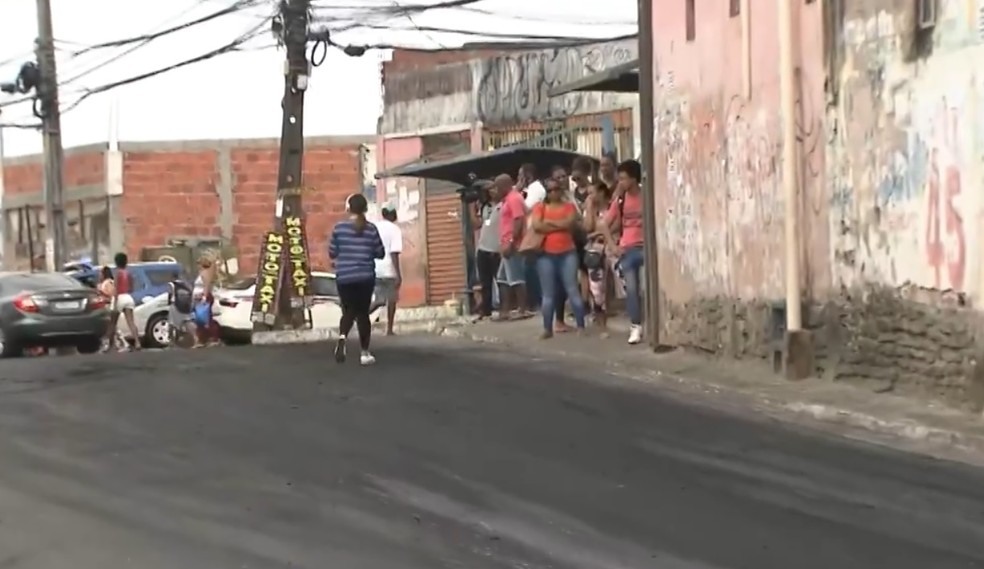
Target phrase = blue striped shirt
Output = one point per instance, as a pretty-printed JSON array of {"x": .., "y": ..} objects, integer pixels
[{"x": 355, "y": 253}]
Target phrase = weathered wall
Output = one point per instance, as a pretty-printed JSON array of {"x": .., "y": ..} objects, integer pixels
[
  {"x": 428, "y": 91},
  {"x": 890, "y": 152},
  {"x": 906, "y": 148},
  {"x": 513, "y": 88},
  {"x": 405, "y": 193},
  {"x": 721, "y": 217},
  {"x": 208, "y": 190}
]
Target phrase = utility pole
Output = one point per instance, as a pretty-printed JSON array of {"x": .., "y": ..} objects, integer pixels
[
  {"x": 294, "y": 34},
  {"x": 647, "y": 115},
  {"x": 798, "y": 347},
  {"x": 47, "y": 90}
]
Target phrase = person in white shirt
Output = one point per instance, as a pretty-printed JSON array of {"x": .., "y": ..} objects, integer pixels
[
  {"x": 389, "y": 277},
  {"x": 528, "y": 183}
]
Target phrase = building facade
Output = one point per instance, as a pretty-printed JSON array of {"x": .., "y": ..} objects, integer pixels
[
  {"x": 150, "y": 199},
  {"x": 449, "y": 103},
  {"x": 889, "y": 152}
]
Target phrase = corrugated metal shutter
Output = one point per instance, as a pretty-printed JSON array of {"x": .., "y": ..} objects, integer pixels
[{"x": 445, "y": 250}]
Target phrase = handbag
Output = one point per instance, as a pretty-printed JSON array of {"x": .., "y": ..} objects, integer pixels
[{"x": 532, "y": 242}]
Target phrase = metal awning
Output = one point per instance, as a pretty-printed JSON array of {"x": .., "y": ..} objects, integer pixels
[
  {"x": 468, "y": 168},
  {"x": 622, "y": 78}
]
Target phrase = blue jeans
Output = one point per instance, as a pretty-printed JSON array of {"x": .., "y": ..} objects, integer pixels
[
  {"x": 554, "y": 269},
  {"x": 631, "y": 264}
]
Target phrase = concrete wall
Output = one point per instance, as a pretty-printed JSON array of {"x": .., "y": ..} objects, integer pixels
[{"x": 889, "y": 155}]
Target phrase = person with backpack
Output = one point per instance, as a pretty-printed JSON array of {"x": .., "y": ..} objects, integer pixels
[
  {"x": 625, "y": 216},
  {"x": 181, "y": 309}
]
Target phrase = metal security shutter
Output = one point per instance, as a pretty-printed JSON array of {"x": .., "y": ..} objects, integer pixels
[{"x": 445, "y": 248}]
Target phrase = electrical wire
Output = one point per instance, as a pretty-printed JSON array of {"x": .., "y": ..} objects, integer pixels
[{"x": 237, "y": 6}]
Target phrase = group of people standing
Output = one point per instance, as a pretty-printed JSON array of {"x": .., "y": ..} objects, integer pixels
[{"x": 582, "y": 231}]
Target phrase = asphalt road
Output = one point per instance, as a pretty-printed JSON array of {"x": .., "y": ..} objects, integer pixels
[{"x": 440, "y": 458}]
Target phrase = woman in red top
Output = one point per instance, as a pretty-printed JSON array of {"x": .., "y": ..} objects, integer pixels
[{"x": 556, "y": 219}]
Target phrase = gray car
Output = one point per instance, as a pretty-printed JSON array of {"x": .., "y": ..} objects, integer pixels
[{"x": 49, "y": 310}]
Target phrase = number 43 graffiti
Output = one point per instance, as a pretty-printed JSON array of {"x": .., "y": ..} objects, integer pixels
[{"x": 945, "y": 245}]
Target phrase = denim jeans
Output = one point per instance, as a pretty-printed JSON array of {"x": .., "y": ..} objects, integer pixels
[
  {"x": 559, "y": 269},
  {"x": 631, "y": 264}
]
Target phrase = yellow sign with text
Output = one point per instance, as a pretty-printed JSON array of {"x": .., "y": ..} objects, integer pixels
[
  {"x": 268, "y": 277},
  {"x": 298, "y": 264}
]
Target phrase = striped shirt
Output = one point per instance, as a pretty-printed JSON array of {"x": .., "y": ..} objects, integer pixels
[{"x": 355, "y": 253}]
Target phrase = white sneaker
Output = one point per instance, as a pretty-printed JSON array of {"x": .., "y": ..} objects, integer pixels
[
  {"x": 367, "y": 359},
  {"x": 635, "y": 334}
]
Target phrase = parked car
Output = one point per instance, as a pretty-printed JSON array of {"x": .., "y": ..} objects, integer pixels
[
  {"x": 150, "y": 280},
  {"x": 234, "y": 306},
  {"x": 49, "y": 310}
]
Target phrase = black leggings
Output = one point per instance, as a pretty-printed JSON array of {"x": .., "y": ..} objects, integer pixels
[
  {"x": 488, "y": 266},
  {"x": 356, "y": 299}
]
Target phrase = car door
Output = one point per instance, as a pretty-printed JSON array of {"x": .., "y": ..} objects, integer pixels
[{"x": 326, "y": 311}]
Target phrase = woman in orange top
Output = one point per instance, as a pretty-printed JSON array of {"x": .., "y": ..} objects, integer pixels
[{"x": 556, "y": 219}]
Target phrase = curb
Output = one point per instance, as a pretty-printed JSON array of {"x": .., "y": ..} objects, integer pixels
[
  {"x": 907, "y": 429},
  {"x": 310, "y": 336}
]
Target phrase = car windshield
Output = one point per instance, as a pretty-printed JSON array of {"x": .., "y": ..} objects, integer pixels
[{"x": 14, "y": 284}]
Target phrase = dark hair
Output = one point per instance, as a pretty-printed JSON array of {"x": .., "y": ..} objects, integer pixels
[
  {"x": 120, "y": 259},
  {"x": 106, "y": 272},
  {"x": 529, "y": 170},
  {"x": 389, "y": 214},
  {"x": 358, "y": 206},
  {"x": 610, "y": 155},
  {"x": 582, "y": 164},
  {"x": 557, "y": 168},
  {"x": 631, "y": 168},
  {"x": 603, "y": 188}
]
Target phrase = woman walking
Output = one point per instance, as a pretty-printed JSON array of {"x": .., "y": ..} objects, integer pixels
[
  {"x": 556, "y": 220},
  {"x": 354, "y": 247},
  {"x": 107, "y": 289}
]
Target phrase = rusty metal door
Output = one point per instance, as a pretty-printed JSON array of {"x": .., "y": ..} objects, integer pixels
[{"x": 446, "y": 277}]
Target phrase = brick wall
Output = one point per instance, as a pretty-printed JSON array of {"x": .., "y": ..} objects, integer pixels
[
  {"x": 81, "y": 168},
  {"x": 228, "y": 191}
]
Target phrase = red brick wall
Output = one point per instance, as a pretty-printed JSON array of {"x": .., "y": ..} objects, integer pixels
[
  {"x": 81, "y": 169},
  {"x": 175, "y": 193}
]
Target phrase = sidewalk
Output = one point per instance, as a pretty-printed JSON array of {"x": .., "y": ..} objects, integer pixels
[{"x": 920, "y": 425}]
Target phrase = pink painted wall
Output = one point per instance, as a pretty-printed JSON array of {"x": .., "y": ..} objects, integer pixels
[
  {"x": 721, "y": 216},
  {"x": 407, "y": 195}
]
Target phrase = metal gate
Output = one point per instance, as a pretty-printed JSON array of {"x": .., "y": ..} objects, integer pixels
[{"x": 588, "y": 134}]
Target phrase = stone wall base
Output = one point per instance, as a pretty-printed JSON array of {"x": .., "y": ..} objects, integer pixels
[{"x": 906, "y": 340}]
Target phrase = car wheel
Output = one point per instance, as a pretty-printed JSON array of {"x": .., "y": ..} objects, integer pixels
[
  {"x": 158, "y": 332},
  {"x": 90, "y": 345}
]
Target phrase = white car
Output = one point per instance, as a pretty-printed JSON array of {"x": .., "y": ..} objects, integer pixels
[
  {"x": 151, "y": 320},
  {"x": 234, "y": 306}
]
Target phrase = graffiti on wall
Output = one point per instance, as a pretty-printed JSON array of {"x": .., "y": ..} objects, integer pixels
[
  {"x": 904, "y": 155},
  {"x": 514, "y": 88},
  {"x": 723, "y": 200}
]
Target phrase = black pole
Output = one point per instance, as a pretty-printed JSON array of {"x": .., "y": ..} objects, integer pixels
[{"x": 647, "y": 79}]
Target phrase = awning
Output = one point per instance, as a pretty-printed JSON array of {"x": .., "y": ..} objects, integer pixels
[
  {"x": 622, "y": 78},
  {"x": 468, "y": 168}
]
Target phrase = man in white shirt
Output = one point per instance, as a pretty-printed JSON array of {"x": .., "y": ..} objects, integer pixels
[
  {"x": 389, "y": 278},
  {"x": 528, "y": 183}
]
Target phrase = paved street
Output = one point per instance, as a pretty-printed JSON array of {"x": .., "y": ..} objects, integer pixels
[{"x": 446, "y": 454}]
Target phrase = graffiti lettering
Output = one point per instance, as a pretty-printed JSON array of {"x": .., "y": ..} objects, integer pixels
[
  {"x": 297, "y": 258},
  {"x": 268, "y": 278},
  {"x": 515, "y": 88},
  {"x": 946, "y": 248}
]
